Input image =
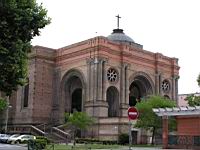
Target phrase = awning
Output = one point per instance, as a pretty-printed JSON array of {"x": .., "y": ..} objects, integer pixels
[{"x": 178, "y": 111}]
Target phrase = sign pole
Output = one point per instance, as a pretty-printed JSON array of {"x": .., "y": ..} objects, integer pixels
[
  {"x": 132, "y": 115},
  {"x": 130, "y": 136}
]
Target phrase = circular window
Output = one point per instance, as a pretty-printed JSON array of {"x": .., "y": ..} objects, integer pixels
[
  {"x": 112, "y": 75},
  {"x": 165, "y": 86}
]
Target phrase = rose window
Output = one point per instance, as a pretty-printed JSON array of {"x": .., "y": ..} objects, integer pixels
[
  {"x": 165, "y": 86},
  {"x": 112, "y": 75}
]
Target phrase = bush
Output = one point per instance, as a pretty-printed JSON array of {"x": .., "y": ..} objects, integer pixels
[
  {"x": 3, "y": 104},
  {"x": 43, "y": 138},
  {"x": 123, "y": 138},
  {"x": 95, "y": 141},
  {"x": 87, "y": 140},
  {"x": 37, "y": 144}
]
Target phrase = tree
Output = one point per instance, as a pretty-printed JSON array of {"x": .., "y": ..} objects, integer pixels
[
  {"x": 20, "y": 21},
  {"x": 198, "y": 80},
  {"x": 3, "y": 104},
  {"x": 78, "y": 121},
  {"x": 194, "y": 100},
  {"x": 147, "y": 118}
]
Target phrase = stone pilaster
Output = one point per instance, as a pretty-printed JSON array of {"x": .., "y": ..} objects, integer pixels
[
  {"x": 88, "y": 85},
  {"x": 124, "y": 89},
  {"x": 96, "y": 104},
  {"x": 100, "y": 80},
  {"x": 56, "y": 96},
  {"x": 157, "y": 84},
  {"x": 160, "y": 83},
  {"x": 96, "y": 78},
  {"x": 176, "y": 88},
  {"x": 173, "y": 88}
]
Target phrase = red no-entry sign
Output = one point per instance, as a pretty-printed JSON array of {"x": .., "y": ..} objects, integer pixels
[{"x": 132, "y": 113}]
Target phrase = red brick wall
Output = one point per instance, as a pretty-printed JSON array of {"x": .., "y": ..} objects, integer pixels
[{"x": 188, "y": 126}]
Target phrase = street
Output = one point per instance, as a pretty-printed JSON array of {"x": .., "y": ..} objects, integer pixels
[{"x": 12, "y": 147}]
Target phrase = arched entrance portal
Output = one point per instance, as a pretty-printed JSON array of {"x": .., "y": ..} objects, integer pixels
[
  {"x": 73, "y": 94},
  {"x": 76, "y": 104},
  {"x": 139, "y": 89},
  {"x": 112, "y": 97}
]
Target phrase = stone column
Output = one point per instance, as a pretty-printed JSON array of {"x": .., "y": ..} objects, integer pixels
[
  {"x": 88, "y": 84},
  {"x": 157, "y": 84},
  {"x": 173, "y": 88},
  {"x": 127, "y": 85},
  {"x": 97, "y": 78},
  {"x": 123, "y": 83},
  {"x": 100, "y": 80},
  {"x": 124, "y": 89},
  {"x": 160, "y": 84},
  {"x": 96, "y": 106},
  {"x": 176, "y": 88}
]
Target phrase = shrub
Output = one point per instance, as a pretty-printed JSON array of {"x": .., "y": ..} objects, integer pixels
[
  {"x": 38, "y": 143},
  {"x": 3, "y": 104},
  {"x": 43, "y": 138},
  {"x": 123, "y": 138},
  {"x": 95, "y": 141}
]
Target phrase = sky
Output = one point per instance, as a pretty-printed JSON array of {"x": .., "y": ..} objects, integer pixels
[{"x": 170, "y": 27}]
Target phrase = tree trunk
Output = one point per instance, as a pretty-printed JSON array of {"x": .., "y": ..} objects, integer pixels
[
  {"x": 7, "y": 111},
  {"x": 153, "y": 135},
  {"x": 74, "y": 143}
]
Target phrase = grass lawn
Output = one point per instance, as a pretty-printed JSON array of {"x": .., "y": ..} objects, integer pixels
[
  {"x": 82, "y": 147},
  {"x": 91, "y": 146}
]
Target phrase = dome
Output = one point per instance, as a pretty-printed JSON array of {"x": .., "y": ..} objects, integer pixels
[{"x": 119, "y": 36}]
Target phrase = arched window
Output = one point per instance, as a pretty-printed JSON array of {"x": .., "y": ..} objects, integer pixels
[{"x": 112, "y": 97}]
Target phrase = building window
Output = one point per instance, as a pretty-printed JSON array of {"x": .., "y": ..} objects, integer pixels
[
  {"x": 165, "y": 86},
  {"x": 112, "y": 75}
]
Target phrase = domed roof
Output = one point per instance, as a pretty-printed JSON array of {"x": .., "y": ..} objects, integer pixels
[{"x": 119, "y": 36}]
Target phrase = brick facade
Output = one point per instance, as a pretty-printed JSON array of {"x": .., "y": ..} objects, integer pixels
[{"x": 55, "y": 74}]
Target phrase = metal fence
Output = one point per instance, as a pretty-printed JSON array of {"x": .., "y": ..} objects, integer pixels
[{"x": 184, "y": 141}]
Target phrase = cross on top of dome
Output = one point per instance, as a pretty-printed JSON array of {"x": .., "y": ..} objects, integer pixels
[
  {"x": 118, "y": 17},
  {"x": 118, "y": 35}
]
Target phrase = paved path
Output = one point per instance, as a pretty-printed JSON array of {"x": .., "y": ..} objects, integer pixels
[{"x": 11, "y": 147}]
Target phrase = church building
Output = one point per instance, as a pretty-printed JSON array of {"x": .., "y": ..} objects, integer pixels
[{"x": 101, "y": 76}]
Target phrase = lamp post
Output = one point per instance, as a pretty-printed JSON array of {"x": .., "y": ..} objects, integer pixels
[{"x": 7, "y": 111}]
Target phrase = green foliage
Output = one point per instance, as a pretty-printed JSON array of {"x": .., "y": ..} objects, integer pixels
[
  {"x": 147, "y": 118},
  {"x": 85, "y": 147},
  {"x": 3, "y": 104},
  {"x": 80, "y": 120},
  {"x": 198, "y": 80},
  {"x": 37, "y": 144},
  {"x": 43, "y": 138},
  {"x": 20, "y": 21},
  {"x": 66, "y": 116},
  {"x": 123, "y": 138},
  {"x": 193, "y": 100},
  {"x": 95, "y": 141}
]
